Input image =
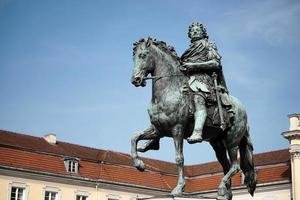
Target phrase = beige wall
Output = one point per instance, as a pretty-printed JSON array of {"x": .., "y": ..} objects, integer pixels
[{"x": 67, "y": 192}]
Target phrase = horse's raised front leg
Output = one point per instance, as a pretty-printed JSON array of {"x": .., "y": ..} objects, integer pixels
[
  {"x": 147, "y": 134},
  {"x": 179, "y": 159},
  {"x": 223, "y": 194}
]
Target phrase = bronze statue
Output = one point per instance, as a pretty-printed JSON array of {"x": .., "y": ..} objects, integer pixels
[
  {"x": 182, "y": 112},
  {"x": 200, "y": 60}
]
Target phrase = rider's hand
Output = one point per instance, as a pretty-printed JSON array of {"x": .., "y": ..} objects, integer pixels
[
  {"x": 183, "y": 68},
  {"x": 188, "y": 66}
]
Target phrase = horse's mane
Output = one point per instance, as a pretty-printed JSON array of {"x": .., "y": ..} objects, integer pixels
[{"x": 160, "y": 44}]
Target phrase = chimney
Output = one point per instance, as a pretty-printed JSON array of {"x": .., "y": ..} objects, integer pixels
[
  {"x": 50, "y": 138},
  {"x": 294, "y": 122}
]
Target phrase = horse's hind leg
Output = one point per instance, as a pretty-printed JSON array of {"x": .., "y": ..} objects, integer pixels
[
  {"x": 178, "y": 142},
  {"x": 147, "y": 134},
  {"x": 223, "y": 194},
  {"x": 221, "y": 155}
]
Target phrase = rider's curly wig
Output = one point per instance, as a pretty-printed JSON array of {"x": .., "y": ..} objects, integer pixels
[{"x": 204, "y": 33}]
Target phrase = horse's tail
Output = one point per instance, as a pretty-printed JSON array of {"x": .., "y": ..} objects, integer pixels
[{"x": 246, "y": 162}]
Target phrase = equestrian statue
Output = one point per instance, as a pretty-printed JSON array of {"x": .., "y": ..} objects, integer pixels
[{"x": 190, "y": 101}]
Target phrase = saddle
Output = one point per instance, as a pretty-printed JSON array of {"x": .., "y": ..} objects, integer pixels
[{"x": 213, "y": 118}]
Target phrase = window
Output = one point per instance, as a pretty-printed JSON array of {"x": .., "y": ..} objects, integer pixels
[
  {"x": 17, "y": 193},
  {"x": 71, "y": 165},
  {"x": 81, "y": 197},
  {"x": 51, "y": 195}
]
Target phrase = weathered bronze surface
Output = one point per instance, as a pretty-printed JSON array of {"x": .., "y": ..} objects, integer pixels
[{"x": 190, "y": 101}]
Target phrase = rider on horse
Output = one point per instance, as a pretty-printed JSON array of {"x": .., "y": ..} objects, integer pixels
[
  {"x": 185, "y": 104},
  {"x": 200, "y": 61}
]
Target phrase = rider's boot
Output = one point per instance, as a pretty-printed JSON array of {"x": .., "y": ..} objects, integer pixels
[{"x": 200, "y": 117}]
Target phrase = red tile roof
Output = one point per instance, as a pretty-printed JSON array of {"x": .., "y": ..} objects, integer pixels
[
  {"x": 34, "y": 153},
  {"x": 268, "y": 158}
]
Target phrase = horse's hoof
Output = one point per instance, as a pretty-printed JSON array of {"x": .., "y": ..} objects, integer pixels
[
  {"x": 224, "y": 194},
  {"x": 143, "y": 148},
  {"x": 149, "y": 145},
  {"x": 178, "y": 190},
  {"x": 139, "y": 164},
  {"x": 222, "y": 198},
  {"x": 222, "y": 191}
]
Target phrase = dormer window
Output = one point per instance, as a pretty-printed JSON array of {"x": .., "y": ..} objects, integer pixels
[{"x": 71, "y": 165}]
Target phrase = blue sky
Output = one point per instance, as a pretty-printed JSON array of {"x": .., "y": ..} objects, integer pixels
[{"x": 65, "y": 66}]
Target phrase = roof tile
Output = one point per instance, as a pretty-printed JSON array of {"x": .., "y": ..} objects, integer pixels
[{"x": 33, "y": 153}]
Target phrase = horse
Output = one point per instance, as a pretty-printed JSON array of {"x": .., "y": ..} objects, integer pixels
[{"x": 170, "y": 116}]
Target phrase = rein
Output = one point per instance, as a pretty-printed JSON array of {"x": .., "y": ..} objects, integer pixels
[{"x": 156, "y": 78}]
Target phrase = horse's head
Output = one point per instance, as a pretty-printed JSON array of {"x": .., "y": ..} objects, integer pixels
[{"x": 143, "y": 62}]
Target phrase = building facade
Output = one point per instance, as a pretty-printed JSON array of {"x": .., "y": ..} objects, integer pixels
[{"x": 42, "y": 168}]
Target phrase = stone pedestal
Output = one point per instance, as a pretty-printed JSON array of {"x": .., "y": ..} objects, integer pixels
[
  {"x": 180, "y": 198},
  {"x": 293, "y": 135},
  {"x": 170, "y": 197}
]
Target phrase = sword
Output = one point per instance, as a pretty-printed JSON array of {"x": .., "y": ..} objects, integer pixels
[{"x": 214, "y": 75}]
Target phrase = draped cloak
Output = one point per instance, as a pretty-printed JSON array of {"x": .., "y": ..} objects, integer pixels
[{"x": 202, "y": 51}]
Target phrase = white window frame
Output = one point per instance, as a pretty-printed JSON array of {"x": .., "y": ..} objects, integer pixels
[
  {"x": 18, "y": 185},
  {"x": 68, "y": 161},
  {"x": 82, "y": 193},
  {"x": 51, "y": 189}
]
